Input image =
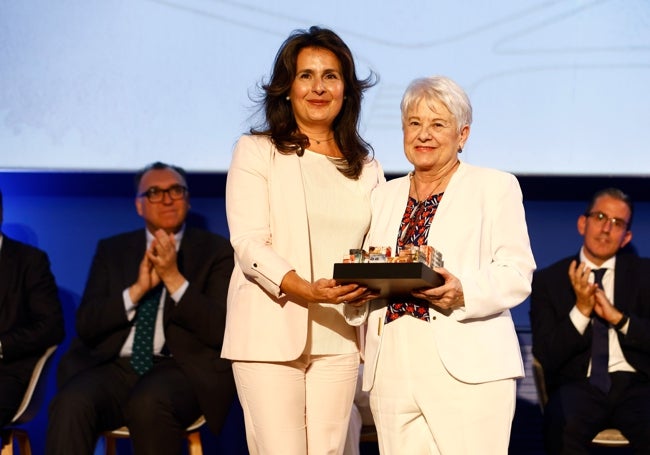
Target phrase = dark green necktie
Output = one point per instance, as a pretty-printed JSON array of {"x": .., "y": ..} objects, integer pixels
[{"x": 145, "y": 321}]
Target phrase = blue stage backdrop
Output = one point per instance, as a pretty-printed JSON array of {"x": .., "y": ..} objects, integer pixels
[{"x": 65, "y": 214}]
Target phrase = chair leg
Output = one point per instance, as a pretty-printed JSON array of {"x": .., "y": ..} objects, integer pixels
[
  {"x": 110, "y": 444},
  {"x": 7, "y": 443},
  {"x": 24, "y": 445},
  {"x": 194, "y": 443},
  {"x": 22, "y": 439}
]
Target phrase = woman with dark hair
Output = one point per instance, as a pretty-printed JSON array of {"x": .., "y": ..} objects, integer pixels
[
  {"x": 285, "y": 126},
  {"x": 297, "y": 200}
]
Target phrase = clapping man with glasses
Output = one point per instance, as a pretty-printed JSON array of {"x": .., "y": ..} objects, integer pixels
[
  {"x": 150, "y": 327},
  {"x": 590, "y": 318}
]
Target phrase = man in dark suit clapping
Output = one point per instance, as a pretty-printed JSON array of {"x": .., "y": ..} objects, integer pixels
[
  {"x": 150, "y": 327},
  {"x": 595, "y": 381}
]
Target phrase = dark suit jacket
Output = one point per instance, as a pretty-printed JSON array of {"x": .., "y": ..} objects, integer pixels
[
  {"x": 193, "y": 327},
  {"x": 31, "y": 317},
  {"x": 563, "y": 352}
]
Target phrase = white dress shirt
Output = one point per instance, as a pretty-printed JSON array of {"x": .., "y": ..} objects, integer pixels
[
  {"x": 130, "y": 308},
  {"x": 617, "y": 360}
]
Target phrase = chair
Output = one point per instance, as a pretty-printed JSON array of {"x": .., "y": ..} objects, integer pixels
[
  {"x": 609, "y": 437},
  {"x": 192, "y": 433},
  {"x": 29, "y": 407}
]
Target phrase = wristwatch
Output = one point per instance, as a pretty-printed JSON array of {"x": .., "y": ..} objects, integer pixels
[{"x": 617, "y": 326}]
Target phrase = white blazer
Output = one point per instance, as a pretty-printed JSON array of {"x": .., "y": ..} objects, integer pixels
[
  {"x": 267, "y": 219},
  {"x": 480, "y": 228}
]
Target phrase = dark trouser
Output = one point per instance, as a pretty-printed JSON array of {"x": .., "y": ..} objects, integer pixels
[
  {"x": 12, "y": 390},
  {"x": 157, "y": 407},
  {"x": 576, "y": 412}
]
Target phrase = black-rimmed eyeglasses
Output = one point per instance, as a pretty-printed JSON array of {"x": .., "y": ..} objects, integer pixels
[
  {"x": 602, "y": 218},
  {"x": 155, "y": 194}
]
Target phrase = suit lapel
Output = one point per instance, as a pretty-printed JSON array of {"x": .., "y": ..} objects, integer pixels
[
  {"x": 133, "y": 255},
  {"x": 186, "y": 245},
  {"x": 624, "y": 283},
  {"x": 568, "y": 294}
]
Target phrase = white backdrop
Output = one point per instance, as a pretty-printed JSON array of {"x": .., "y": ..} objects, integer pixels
[{"x": 558, "y": 87}]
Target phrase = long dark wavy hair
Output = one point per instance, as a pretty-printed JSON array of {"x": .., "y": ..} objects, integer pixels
[{"x": 279, "y": 119}]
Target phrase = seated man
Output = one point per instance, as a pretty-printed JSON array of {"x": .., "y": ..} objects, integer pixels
[
  {"x": 590, "y": 317},
  {"x": 150, "y": 326},
  {"x": 31, "y": 318}
]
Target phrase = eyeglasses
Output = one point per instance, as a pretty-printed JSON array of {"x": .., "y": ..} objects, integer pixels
[
  {"x": 155, "y": 194},
  {"x": 601, "y": 219}
]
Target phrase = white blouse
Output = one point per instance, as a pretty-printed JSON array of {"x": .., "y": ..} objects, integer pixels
[{"x": 338, "y": 212}]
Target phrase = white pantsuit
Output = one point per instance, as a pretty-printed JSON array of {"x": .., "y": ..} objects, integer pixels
[
  {"x": 480, "y": 228},
  {"x": 295, "y": 365}
]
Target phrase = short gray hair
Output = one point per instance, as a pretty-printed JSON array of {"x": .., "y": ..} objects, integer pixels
[{"x": 438, "y": 89}]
